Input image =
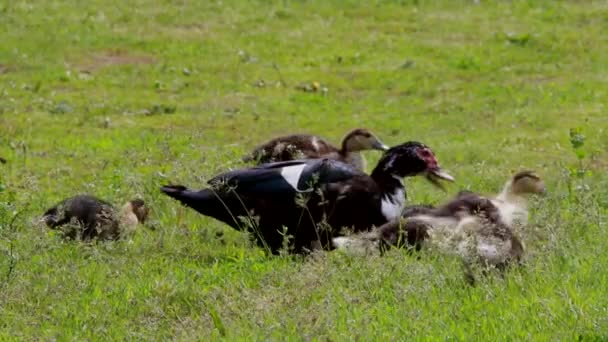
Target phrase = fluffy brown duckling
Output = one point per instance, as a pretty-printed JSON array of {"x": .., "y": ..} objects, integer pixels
[
  {"x": 306, "y": 146},
  {"x": 407, "y": 231},
  {"x": 512, "y": 201},
  {"x": 88, "y": 217},
  {"x": 470, "y": 225}
]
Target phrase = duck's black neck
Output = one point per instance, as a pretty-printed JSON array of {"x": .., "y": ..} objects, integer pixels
[{"x": 388, "y": 182}]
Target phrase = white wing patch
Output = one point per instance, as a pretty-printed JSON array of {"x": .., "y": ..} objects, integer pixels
[
  {"x": 292, "y": 174},
  {"x": 392, "y": 205}
]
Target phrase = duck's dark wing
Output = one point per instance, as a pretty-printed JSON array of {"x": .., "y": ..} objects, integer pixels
[
  {"x": 291, "y": 147},
  {"x": 286, "y": 177},
  {"x": 280, "y": 148}
]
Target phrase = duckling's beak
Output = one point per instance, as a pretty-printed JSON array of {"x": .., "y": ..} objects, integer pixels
[
  {"x": 378, "y": 145},
  {"x": 434, "y": 175}
]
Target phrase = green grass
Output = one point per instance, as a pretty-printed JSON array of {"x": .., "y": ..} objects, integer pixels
[{"x": 115, "y": 99}]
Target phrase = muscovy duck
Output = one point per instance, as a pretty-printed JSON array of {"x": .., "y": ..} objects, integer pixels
[
  {"x": 88, "y": 217},
  {"x": 306, "y": 146},
  {"x": 311, "y": 200}
]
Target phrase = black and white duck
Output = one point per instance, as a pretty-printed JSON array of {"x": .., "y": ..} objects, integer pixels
[
  {"x": 88, "y": 217},
  {"x": 312, "y": 198},
  {"x": 306, "y": 146}
]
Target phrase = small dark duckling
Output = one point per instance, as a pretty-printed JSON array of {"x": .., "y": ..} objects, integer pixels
[
  {"x": 3, "y": 161},
  {"x": 88, "y": 217},
  {"x": 306, "y": 146}
]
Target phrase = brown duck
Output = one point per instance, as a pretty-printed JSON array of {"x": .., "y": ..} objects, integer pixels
[{"x": 306, "y": 146}]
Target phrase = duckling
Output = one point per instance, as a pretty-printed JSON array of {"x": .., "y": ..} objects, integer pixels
[
  {"x": 512, "y": 200},
  {"x": 131, "y": 214},
  {"x": 474, "y": 224},
  {"x": 408, "y": 231},
  {"x": 311, "y": 198},
  {"x": 469, "y": 225},
  {"x": 91, "y": 217},
  {"x": 305, "y": 146}
]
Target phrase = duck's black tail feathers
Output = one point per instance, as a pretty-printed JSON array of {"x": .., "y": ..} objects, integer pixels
[
  {"x": 193, "y": 199},
  {"x": 207, "y": 202}
]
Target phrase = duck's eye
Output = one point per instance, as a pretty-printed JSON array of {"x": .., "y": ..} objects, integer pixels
[{"x": 425, "y": 153}]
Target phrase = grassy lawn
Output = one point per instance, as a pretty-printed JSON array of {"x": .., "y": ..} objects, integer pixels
[{"x": 117, "y": 98}]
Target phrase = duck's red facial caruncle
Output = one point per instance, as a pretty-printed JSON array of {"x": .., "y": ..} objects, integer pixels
[{"x": 428, "y": 156}]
